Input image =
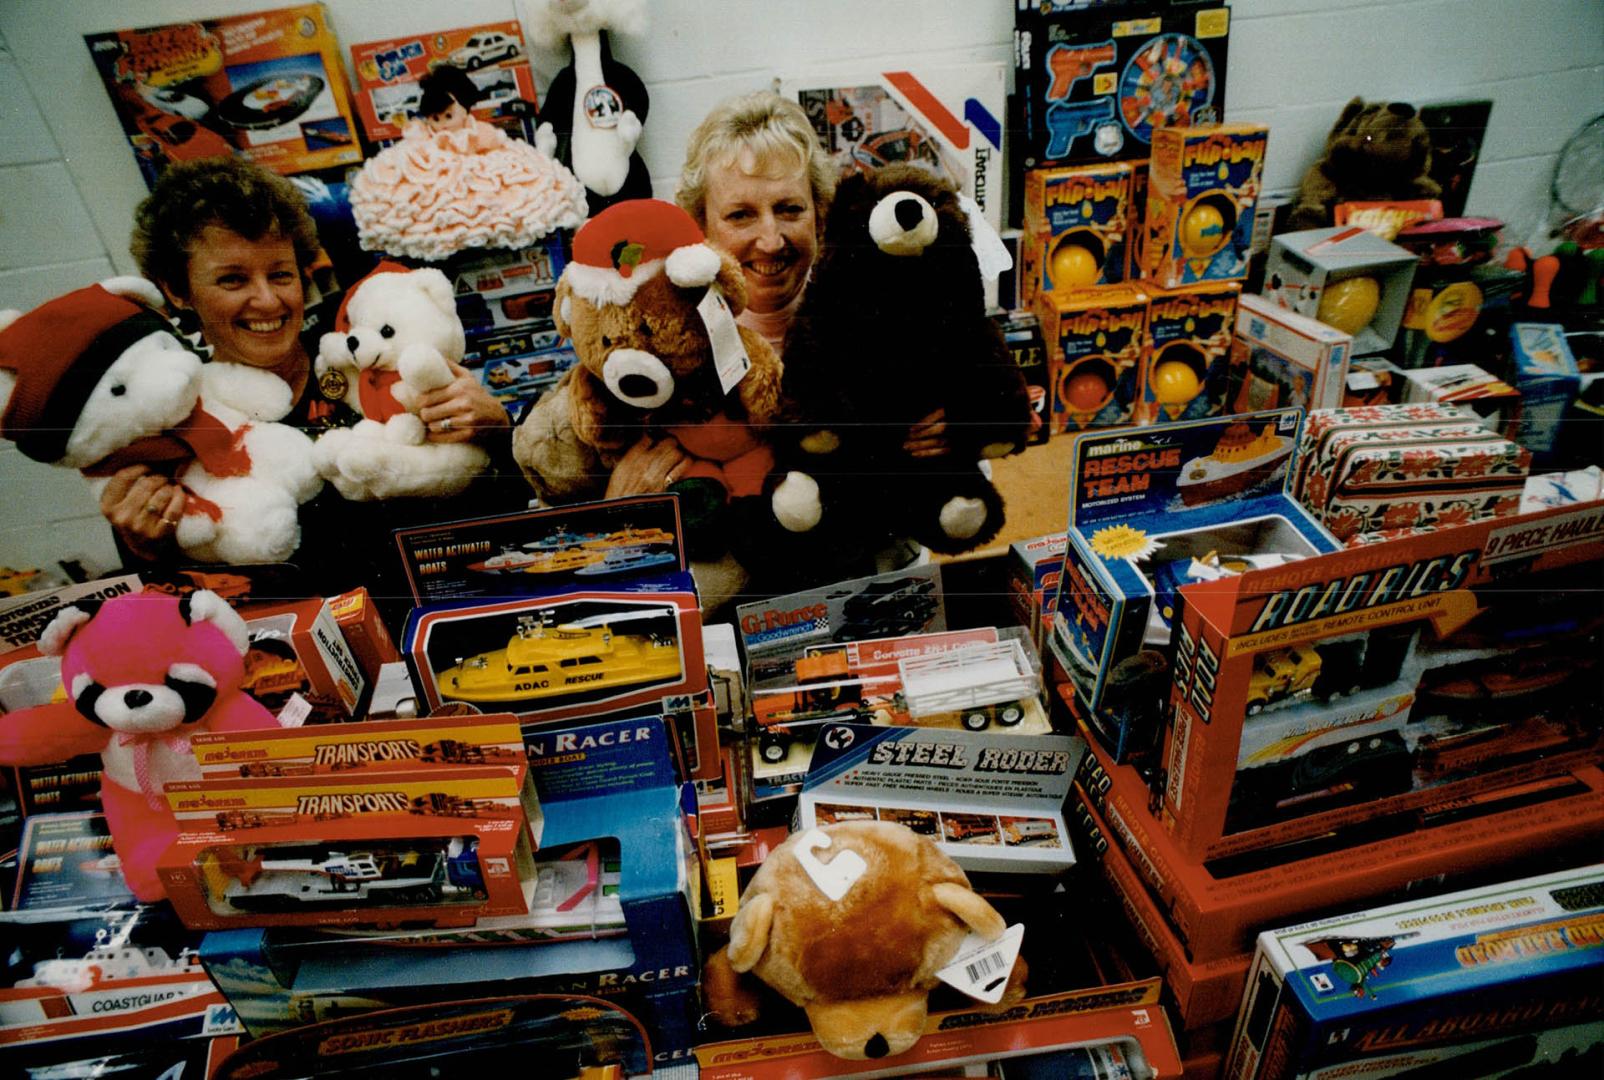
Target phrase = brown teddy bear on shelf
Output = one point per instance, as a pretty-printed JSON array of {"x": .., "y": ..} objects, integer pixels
[
  {"x": 851, "y": 922},
  {"x": 649, "y": 308},
  {"x": 1377, "y": 151}
]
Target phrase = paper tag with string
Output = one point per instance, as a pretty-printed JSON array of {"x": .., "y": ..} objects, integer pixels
[
  {"x": 729, "y": 352},
  {"x": 982, "y": 967}
]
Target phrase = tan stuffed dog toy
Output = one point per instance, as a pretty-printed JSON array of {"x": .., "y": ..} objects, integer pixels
[{"x": 852, "y": 922}]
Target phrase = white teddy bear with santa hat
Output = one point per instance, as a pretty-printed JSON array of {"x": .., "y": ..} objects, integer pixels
[
  {"x": 393, "y": 337},
  {"x": 98, "y": 380}
]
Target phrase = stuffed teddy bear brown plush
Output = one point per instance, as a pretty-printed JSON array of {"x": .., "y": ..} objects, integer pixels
[
  {"x": 1377, "y": 151},
  {"x": 892, "y": 328},
  {"x": 628, "y": 303},
  {"x": 851, "y": 922}
]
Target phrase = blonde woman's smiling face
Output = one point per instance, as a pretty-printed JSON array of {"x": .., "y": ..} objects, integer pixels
[{"x": 764, "y": 216}]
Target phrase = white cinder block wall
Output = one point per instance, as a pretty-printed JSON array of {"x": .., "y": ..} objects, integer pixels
[{"x": 68, "y": 183}]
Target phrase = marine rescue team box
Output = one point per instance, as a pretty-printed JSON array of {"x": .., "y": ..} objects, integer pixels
[
  {"x": 1385, "y": 678},
  {"x": 444, "y": 847},
  {"x": 268, "y": 85},
  {"x": 1476, "y": 983},
  {"x": 989, "y": 801}
]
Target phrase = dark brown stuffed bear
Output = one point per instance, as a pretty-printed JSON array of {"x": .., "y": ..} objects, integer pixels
[
  {"x": 892, "y": 328},
  {"x": 1375, "y": 151}
]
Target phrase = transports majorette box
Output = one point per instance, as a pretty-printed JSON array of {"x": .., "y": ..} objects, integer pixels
[
  {"x": 351, "y": 749},
  {"x": 1326, "y": 691},
  {"x": 1216, "y": 908},
  {"x": 1404, "y": 466},
  {"x": 442, "y": 847},
  {"x": 1501, "y": 980}
]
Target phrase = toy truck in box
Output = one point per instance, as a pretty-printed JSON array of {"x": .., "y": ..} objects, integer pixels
[
  {"x": 981, "y": 683},
  {"x": 300, "y": 877},
  {"x": 825, "y": 689}
]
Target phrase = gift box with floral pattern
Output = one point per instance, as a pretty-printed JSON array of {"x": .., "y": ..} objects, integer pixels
[{"x": 1405, "y": 467}]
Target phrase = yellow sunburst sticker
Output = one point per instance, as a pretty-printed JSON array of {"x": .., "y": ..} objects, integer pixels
[{"x": 1123, "y": 542}]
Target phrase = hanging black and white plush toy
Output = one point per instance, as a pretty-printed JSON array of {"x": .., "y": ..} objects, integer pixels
[{"x": 593, "y": 112}]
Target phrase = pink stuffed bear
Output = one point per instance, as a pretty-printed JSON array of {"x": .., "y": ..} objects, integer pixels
[{"x": 144, "y": 673}]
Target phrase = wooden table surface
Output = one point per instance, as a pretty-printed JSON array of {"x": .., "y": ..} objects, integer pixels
[{"x": 1035, "y": 491}]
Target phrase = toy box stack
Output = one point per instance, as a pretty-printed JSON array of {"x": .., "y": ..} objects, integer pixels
[
  {"x": 268, "y": 85},
  {"x": 1145, "y": 505},
  {"x": 504, "y": 299}
]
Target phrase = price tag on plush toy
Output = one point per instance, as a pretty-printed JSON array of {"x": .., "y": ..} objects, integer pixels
[
  {"x": 729, "y": 353},
  {"x": 295, "y": 711},
  {"x": 836, "y": 877},
  {"x": 981, "y": 967}
]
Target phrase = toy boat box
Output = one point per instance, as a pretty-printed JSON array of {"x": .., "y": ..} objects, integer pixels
[{"x": 1404, "y": 466}]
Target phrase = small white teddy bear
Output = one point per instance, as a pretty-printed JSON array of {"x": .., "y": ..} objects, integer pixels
[
  {"x": 394, "y": 335},
  {"x": 96, "y": 380}
]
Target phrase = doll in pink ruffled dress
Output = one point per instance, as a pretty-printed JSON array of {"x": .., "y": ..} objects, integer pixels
[{"x": 453, "y": 182}]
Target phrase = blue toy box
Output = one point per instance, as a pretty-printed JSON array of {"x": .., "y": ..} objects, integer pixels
[
  {"x": 1145, "y": 503},
  {"x": 1486, "y": 982},
  {"x": 605, "y": 781}
]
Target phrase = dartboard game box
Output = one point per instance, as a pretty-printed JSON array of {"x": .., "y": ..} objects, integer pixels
[{"x": 1094, "y": 82}]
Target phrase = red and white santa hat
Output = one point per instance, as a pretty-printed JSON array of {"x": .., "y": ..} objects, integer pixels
[
  {"x": 57, "y": 353},
  {"x": 630, "y": 242}
]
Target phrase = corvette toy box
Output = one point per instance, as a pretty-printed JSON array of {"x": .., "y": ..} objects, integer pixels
[
  {"x": 387, "y": 72},
  {"x": 991, "y": 802},
  {"x": 447, "y": 846},
  {"x": 268, "y": 84},
  {"x": 1151, "y": 509},
  {"x": 1405, "y": 466},
  {"x": 1100, "y": 1033},
  {"x": 1333, "y": 689},
  {"x": 1094, "y": 82},
  {"x": 1475, "y": 983}
]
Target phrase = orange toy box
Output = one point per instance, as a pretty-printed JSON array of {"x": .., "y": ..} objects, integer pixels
[
  {"x": 297, "y": 649},
  {"x": 1126, "y": 1015},
  {"x": 1186, "y": 352},
  {"x": 267, "y": 84},
  {"x": 1385, "y": 678},
  {"x": 1203, "y": 992},
  {"x": 1215, "y": 909},
  {"x": 364, "y": 632},
  {"x": 440, "y": 742},
  {"x": 1076, "y": 220},
  {"x": 1202, "y": 185},
  {"x": 1094, "y": 355},
  {"x": 442, "y": 848}
]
